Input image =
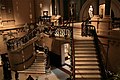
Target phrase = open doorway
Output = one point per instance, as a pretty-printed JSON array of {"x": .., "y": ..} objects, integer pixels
[{"x": 65, "y": 51}]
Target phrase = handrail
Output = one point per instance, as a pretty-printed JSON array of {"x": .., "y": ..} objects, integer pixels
[
  {"x": 55, "y": 31},
  {"x": 91, "y": 29},
  {"x": 16, "y": 64},
  {"x": 16, "y": 43},
  {"x": 72, "y": 55}
]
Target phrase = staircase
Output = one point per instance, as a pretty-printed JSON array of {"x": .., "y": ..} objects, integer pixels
[
  {"x": 86, "y": 61},
  {"x": 38, "y": 66}
]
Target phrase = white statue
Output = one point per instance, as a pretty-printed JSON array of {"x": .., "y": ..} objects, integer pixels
[{"x": 90, "y": 11}]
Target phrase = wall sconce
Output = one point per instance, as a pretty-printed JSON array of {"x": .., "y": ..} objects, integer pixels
[{"x": 45, "y": 13}]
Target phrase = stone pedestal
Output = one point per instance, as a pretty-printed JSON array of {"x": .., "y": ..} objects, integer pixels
[{"x": 95, "y": 21}]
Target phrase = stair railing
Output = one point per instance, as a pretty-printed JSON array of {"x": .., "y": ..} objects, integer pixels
[
  {"x": 91, "y": 31},
  {"x": 61, "y": 30},
  {"x": 72, "y": 77},
  {"x": 13, "y": 44}
]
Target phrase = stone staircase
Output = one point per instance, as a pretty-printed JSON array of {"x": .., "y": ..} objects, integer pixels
[
  {"x": 38, "y": 67},
  {"x": 86, "y": 61}
]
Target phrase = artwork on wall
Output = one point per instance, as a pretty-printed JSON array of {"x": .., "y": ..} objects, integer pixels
[{"x": 45, "y": 13}]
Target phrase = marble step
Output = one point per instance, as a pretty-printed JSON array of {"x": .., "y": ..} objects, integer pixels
[
  {"x": 90, "y": 52},
  {"x": 32, "y": 72},
  {"x": 88, "y": 76},
  {"x": 77, "y": 63},
  {"x": 84, "y": 45},
  {"x": 86, "y": 59},
  {"x": 37, "y": 65},
  {"x": 42, "y": 63},
  {"x": 40, "y": 58},
  {"x": 84, "y": 42},
  {"x": 87, "y": 79},
  {"x": 88, "y": 67},
  {"x": 85, "y": 55},
  {"x": 41, "y": 55},
  {"x": 87, "y": 72},
  {"x": 84, "y": 49},
  {"x": 37, "y": 68}
]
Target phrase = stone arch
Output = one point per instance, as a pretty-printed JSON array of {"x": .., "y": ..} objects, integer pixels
[
  {"x": 84, "y": 10},
  {"x": 115, "y": 7}
]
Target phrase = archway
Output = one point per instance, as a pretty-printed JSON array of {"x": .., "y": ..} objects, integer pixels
[
  {"x": 65, "y": 50},
  {"x": 84, "y": 10}
]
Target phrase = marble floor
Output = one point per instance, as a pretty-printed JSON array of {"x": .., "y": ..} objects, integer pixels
[{"x": 55, "y": 74}]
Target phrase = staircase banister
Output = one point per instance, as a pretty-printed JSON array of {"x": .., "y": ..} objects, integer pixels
[
  {"x": 20, "y": 40},
  {"x": 16, "y": 64},
  {"x": 101, "y": 56},
  {"x": 89, "y": 30},
  {"x": 28, "y": 33}
]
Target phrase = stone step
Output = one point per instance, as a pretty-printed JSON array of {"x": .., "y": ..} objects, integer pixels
[
  {"x": 86, "y": 59},
  {"x": 85, "y": 55},
  {"x": 32, "y": 72},
  {"x": 84, "y": 49},
  {"x": 40, "y": 58},
  {"x": 42, "y": 63},
  {"x": 88, "y": 76},
  {"x": 90, "y": 52},
  {"x": 39, "y": 61},
  {"x": 37, "y": 65},
  {"x": 87, "y": 72},
  {"x": 37, "y": 68},
  {"x": 77, "y": 33},
  {"x": 84, "y": 42},
  {"x": 41, "y": 55},
  {"x": 87, "y": 79},
  {"x": 89, "y": 67},
  {"x": 85, "y": 63},
  {"x": 84, "y": 45}
]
